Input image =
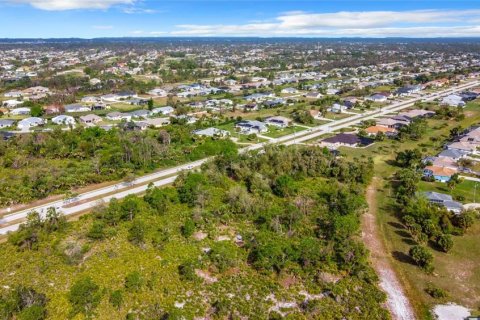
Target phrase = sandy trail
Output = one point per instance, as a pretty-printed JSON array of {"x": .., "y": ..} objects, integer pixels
[{"x": 397, "y": 303}]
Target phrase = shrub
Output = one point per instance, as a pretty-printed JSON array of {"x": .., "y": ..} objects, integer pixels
[
  {"x": 422, "y": 257},
  {"x": 134, "y": 281},
  {"x": 84, "y": 296},
  {"x": 435, "y": 292},
  {"x": 116, "y": 298},
  {"x": 445, "y": 242}
]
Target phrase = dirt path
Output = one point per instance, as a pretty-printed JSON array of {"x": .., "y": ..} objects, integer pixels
[{"x": 397, "y": 303}]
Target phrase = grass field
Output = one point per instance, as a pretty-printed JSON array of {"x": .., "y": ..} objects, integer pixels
[{"x": 455, "y": 272}]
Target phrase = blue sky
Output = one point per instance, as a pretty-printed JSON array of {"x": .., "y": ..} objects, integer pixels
[{"x": 314, "y": 18}]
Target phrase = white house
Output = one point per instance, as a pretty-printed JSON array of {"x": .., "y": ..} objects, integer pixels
[
  {"x": 76, "y": 108},
  {"x": 63, "y": 120},
  {"x": 20, "y": 111},
  {"x": 163, "y": 110},
  {"x": 278, "y": 121},
  {"x": 158, "y": 92},
  {"x": 289, "y": 90},
  {"x": 453, "y": 100},
  {"x": 116, "y": 116},
  {"x": 28, "y": 123},
  {"x": 11, "y": 103}
]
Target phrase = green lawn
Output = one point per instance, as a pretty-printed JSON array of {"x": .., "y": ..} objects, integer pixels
[
  {"x": 465, "y": 189},
  {"x": 274, "y": 132}
]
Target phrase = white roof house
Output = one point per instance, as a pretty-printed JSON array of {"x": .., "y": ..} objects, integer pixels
[
  {"x": 162, "y": 110},
  {"x": 20, "y": 111},
  {"x": 30, "y": 122},
  {"x": 211, "y": 132},
  {"x": 11, "y": 103},
  {"x": 453, "y": 100},
  {"x": 63, "y": 120},
  {"x": 158, "y": 92}
]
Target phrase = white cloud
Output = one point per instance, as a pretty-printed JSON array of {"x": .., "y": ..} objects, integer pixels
[
  {"x": 58, "y": 5},
  {"x": 424, "y": 23},
  {"x": 133, "y": 10}
]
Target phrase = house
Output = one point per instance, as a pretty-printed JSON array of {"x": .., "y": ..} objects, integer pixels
[
  {"x": 374, "y": 130},
  {"x": 466, "y": 147},
  {"x": 157, "y": 122},
  {"x": 6, "y": 123},
  {"x": 13, "y": 94},
  {"x": 71, "y": 108},
  {"x": 443, "y": 200},
  {"x": 90, "y": 119},
  {"x": 100, "y": 106},
  {"x": 52, "y": 109},
  {"x": 289, "y": 91},
  {"x": 140, "y": 113},
  {"x": 346, "y": 139},
  {"x": 273, "y": 103},
  {"x": 258, "y": 97},
  {"x": 90, "y": 100},
  {"x": 337, "y": 108},
  {"x": 453, "y": 100},
  {"x": 417, "y": 113},
  {"x": 20, "y": 111},
  {"x": 211, "y": 132},
  {"x": 453, "y": 154},
  {"x": 332, "y": 91},
  {"x": 392, "y": 123},
  {"x": 116, "y": 116},
  {"x": 28, "y": 123},
  {"x": 278, "y": 121},
  {"x": 441, "y": 174},
  {"x": 137, "y": 101},
  {"x": 11, "y": 103},
  {"x": 63, "y": 120},
  {"x": 313, "y": 95},
  {"x": 408, "y": 90},
  {"x": 163, "y": 111},
  {"x": 350, "y": 102},
  {"x": 377, "y": 98},
  {"x": 158, "y": 92},
  {"x": 133, "y": 126},
  {"x": 251, "y": 126},
  {"x": 6, "y": 135}
]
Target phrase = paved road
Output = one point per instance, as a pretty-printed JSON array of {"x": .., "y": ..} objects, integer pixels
[{"x": 11, "y": 221}]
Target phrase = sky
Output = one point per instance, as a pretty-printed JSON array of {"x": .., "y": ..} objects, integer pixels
[{"x": 239, "y": 18}]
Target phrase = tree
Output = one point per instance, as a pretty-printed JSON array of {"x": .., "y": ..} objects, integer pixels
[
  {"x": 188, "y": 228},
  {"x": 409, "y": 158},
  {"x": 284, "y": 186},
  {"x": 97, "y": 231},
  {"x": 136, "y": 233},
  {"x": 150, "y": 104},
  {"x": 445, "y": 242},
  {"x": 36, "y": 111},
  {"x": 465, "y": 220},
  {"x": 422, "y": 257},
  {"x": 54, "y": 220},
  {"x": 84, "y": 296}
]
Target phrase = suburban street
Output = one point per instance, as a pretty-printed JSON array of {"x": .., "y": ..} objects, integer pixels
[{"x": 86, "y": 201}]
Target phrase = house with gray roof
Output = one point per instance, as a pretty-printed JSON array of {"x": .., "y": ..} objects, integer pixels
[
  {"x": 5, "y": 123},
  {"x": 251, "y": 126},
  {"x": 443, "y": 200},
  {"x": 211, "y": 132}
]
